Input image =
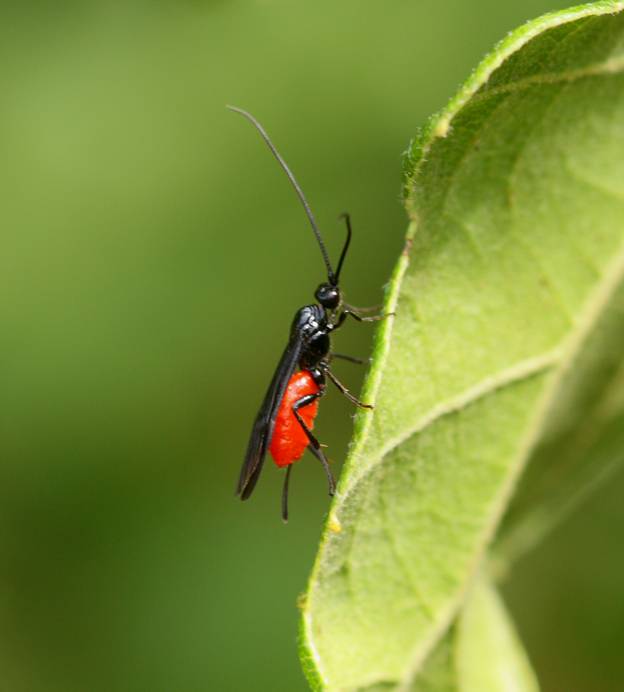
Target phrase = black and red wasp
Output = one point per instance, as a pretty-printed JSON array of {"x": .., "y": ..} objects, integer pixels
[{"x": 285, "y": 420}]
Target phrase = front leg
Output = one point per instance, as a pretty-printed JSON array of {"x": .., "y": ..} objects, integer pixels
[
  {"x": 356, "y": 314},
  {"x": 349, "y": 310},
  {"x": 363, "y": 311}
]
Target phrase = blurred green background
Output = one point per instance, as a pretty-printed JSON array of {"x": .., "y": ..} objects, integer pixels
[{"x": 152, "y": 256}]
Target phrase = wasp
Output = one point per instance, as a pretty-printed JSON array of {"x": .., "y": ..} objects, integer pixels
[{"x": 285, "y": 421}]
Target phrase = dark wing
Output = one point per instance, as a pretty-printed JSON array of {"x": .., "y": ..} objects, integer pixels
[{"x": 262, "y": 430}]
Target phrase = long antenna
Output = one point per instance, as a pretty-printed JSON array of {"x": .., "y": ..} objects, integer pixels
[
  {"x": 330, "y": 273},
  {"x": 343, "y": 254}
]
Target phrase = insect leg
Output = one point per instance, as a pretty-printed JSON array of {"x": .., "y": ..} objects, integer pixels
[
  {"x": 356, "y": 314},
  {"x": 346, "y": 392},
  {"x": 285, "y": 494},
  {"x": 318, "y": 453},
  {"x": 314, "y": 446},
  {"x": 372, "y": 308},
  {"x": 300, "y": 403},
  {"x": 351, "y": 359}
]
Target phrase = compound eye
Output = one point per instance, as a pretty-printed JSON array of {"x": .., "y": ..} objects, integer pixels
[{"x": 328, "y": 296}]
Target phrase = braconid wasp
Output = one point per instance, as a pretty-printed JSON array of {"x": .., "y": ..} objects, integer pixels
[{"x": 285, "y": 420}]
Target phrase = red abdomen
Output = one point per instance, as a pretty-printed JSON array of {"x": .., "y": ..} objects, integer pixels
[{"x": 289, "y": 440}]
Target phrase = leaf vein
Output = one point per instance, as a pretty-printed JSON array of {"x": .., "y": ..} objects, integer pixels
[
  {"x": 612, "y": 66},
  {"x": 516, "y": 373}
]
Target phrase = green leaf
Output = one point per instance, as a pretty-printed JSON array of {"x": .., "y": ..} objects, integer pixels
[
  {"x": 582, "y": 440},
  {"x": 489, "y": 656},
  {"x": 506, "y": 341}
]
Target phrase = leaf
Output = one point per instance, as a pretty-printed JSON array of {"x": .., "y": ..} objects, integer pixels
[
  {"x": 489, "y": 655},
  {"x": 582, "y": 441},
  {"x": 507, "y": 338}
]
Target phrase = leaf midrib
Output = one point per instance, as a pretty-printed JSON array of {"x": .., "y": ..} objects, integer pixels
[
  {"x": 611, "y": 66},
  {"x": 518, "y": 372}
]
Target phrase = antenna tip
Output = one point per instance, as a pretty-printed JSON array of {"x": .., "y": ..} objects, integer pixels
[{"x": 236, "y": 109}]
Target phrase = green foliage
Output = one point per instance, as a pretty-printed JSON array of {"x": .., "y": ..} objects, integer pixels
[
  {"x": 488, "y": 654},
  {"x": 504, "y": 355}
]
